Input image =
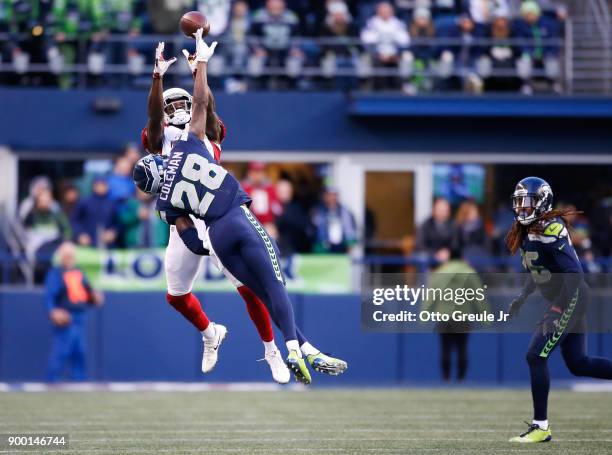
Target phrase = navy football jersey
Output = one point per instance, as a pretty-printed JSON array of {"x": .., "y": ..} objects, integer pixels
[
  {"x": 195, "y": 184},
  {"x": 550, "y": 253}
]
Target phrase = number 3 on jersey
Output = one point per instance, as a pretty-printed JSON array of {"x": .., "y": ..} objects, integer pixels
[{"x": 197, "y": 169}]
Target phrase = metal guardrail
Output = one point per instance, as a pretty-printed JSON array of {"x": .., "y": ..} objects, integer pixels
[{"x": 355, "y": 61}]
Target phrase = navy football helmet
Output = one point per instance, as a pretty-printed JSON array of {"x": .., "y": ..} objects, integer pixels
[
  {"x": 148, "y": 173},
  {"x": 531, "y": 199}
]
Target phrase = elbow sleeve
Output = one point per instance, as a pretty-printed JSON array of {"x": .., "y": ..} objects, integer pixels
[{"x": 192, "y": 241}]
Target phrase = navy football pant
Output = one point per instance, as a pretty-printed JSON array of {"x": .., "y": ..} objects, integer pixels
[
  {"x": 572, "y": 341},
  {"x": 247, "y": 251}
]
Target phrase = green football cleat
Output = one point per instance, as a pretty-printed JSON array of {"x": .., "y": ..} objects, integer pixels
[
  {"x": 533, "y": 434},
  {"x": 326, "y": 364},
  {"x": 296, "y": 364}
]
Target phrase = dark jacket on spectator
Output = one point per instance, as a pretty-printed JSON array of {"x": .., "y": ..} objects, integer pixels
[
  {"x": 433, "y": 236},
  {"x": 94, "y": 214},
  {"x": 536, "y": 35},
  {"x": 463, "y": 46},
  {"x": 295, "y": 230}
]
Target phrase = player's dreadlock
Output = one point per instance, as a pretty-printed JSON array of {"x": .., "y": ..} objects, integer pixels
[{"x": 518, "y": 232}]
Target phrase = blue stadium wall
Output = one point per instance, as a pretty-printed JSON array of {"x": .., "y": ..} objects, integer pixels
[
  {"x": 139, "y": 337},
  {"x": 97, "y": 120}
]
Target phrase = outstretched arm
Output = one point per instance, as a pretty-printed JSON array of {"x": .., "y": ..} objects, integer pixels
[
  {"x": 213, "y": 125},
  {"x": 200, "y": 98},
  {"x": 155, "y": 104},
  {"x": 155, "y": 112}
]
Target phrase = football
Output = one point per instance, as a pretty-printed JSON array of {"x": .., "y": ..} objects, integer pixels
[{"x": 192, "y": 21}]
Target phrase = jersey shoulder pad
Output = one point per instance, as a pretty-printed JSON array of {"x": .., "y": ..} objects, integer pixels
[
  {"x": 555, "y": 228},
  {"x": 552, "y": 230}
]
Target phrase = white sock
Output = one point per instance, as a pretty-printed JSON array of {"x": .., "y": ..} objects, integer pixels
[
  {"x": 309, "y": 349},
  {"x": 209, "y": 332},
  {"x": 543, "y": 424},
  {"x": 270, "y": 346},
  {"x": 293, "y": 345}
]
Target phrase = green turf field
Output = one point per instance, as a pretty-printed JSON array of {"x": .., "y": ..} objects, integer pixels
[{"x": 319, "y": 421}]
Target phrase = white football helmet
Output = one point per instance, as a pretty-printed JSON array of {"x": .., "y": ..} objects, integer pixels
[{"x": 177, "y": 106}]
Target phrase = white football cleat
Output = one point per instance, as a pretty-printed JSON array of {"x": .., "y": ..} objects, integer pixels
[
  {"x": 280, "y": 372},
  {"x": 211, "y": 348}
]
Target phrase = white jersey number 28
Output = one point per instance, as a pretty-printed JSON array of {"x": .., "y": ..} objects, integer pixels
[{"x": 197, "y": 169}]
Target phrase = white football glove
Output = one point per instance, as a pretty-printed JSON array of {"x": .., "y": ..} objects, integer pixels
[
  {"x": 191, "y": 61},
  {"x": 203, "y": 51},
  {"x": 161, "y": 65}
]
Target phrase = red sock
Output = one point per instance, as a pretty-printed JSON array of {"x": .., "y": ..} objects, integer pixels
[
  {"x": 189, "y": 306},
  {"x": 258, "y": 312}
]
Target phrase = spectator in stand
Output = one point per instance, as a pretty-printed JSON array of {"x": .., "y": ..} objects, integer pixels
[
  {"x": 339, "y": 26},
  {"x": 482, "y": 13},
  {"x": 68, "y": 294},
  {"x": 75, "y": 20},
  {"x": 437, "y": 236},
  {"x": 124, "y": 18},
  {"x": 25, "y": 21},
  {"x": 471, "y": 235},
  {"x": 120, "y": 184},
  {"x": 422, "y": 31},
  {"x": 422, "y": 27},
  {"x": 336, "y": 230},
  {"x": 95, "y": 219},
  {"x": 459, "y": 53},
  {"x": 45, "y": 228},
  {"x": 237, "y": 50},
  {"x": 38, "y": 185},
  {"x": 295, "y": 229},
  {"x": 501, "y": 56},
  {"x": 275, "y": 25},
  {"x": 265, "y": 205},
  {"x": 538, "y": 52},
  {"x": 385, "y": 36},
  {"x": 69, "y": 201},
  {"x": 140, "y": 225}
]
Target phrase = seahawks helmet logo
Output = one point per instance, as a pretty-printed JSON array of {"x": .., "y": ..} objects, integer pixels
[{"x": 148, "y": 173}]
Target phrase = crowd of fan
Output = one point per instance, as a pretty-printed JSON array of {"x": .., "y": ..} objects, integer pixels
[
  {"x": 482, "y": 241},
  {"x": 114, "y": 214},
  {"x": 106, "y": 211},
  {"x": 415, "y": 45}
]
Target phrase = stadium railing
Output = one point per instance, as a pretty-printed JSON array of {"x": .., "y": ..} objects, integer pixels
[{"x": 326, "y": 58}]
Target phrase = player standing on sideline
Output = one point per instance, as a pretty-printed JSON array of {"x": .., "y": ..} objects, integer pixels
[
  {"x": 195, "y": 184},
  {"x": 169, "y": 114},
  {"x": 542, "y": 236}
]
